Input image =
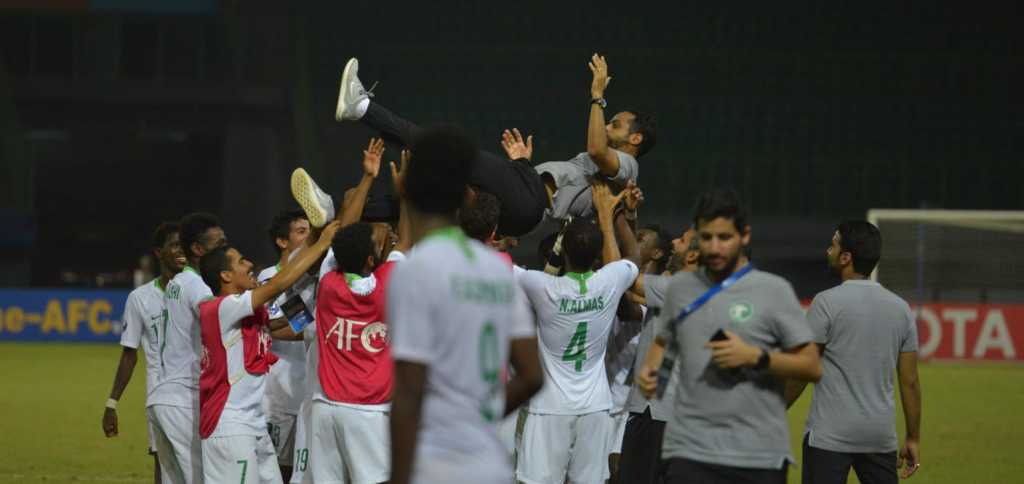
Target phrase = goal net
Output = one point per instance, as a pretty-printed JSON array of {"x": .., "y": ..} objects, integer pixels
[{"x": 968, "y": 256}]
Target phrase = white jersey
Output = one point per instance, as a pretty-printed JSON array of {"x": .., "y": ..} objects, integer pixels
[
  {"x": 454, "y": 307},
  {"x": 145, "y": 319},
  {"x": 575, "y": 313},
  {"x": 178, "y": 379},
  {"x": 286, "y": 382}
]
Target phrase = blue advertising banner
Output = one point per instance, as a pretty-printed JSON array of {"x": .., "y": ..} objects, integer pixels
[{"x": 61, "y": 314}]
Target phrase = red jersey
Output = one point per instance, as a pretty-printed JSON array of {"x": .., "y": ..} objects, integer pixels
[
  {"x": 355, "y": 357},
  {"x": 235, "y": 357}
]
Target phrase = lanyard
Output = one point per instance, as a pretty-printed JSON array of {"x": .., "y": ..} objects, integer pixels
[{"x": 696, "y": 304}]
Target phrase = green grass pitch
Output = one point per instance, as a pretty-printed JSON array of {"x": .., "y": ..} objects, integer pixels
[{"x": 52, "y": 396}]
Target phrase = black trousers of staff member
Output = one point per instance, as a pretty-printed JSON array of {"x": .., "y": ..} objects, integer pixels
[
  {"x": 641, "y": 450},
  {"x": 515, "y": 183},
  {"x": 686, "y": 471},
  {"x": 827, "y": 467}
]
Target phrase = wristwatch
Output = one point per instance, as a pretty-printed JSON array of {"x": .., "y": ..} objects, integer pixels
[
  {"x": 763, "y": 361},
  {"x": 600, "y": 102}
]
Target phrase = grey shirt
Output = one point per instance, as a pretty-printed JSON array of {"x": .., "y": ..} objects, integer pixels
[
  {"x": 572, "y": 182},
  {"x": 734, "y": 418},
  {"x": 864, "y": 328},
  {"x": 655, "y": 288}
]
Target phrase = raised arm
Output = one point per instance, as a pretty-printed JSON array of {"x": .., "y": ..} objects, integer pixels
[
  {"x": 293, "y": 270},
  {"x": 910, "y": 394},
  {"x": 604, "y": 205},
  {"x": 404, "y": 228},
  {"x": 515, "y": 147},
  {"x": 353, "y": 207},
  {"x": 623, "y": 229},
  {"x": 597, "y": 138}
]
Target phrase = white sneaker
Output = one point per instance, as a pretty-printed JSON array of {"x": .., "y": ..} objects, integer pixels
[
  {"x": 319, "y": 206},
  {"x": 350, "y": 93}
]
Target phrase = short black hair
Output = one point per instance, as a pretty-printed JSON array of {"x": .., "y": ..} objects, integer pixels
[
  {"x": 582, "y": 242},
  {"x": 281, "y": 226},
  {"x": 479, "y": 219},
  {"x": 352, "y": 245},
  {"x": 720, "y": 202},
  {"x": 193, "y": 226},
  {"x": 211, "y": 264},
  {"x": 664, "y": 243},
  {"x": 645, "y": 124},
  {"x": 864, "y": 243},
  {"x": 162, "y": 233},
  {"x": 441, "y": 160}
]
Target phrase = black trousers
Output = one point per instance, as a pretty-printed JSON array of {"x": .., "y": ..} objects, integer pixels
[
  {"x": 686, "y": 471},
  {"x": 827, "y": 467},
  {"x": 641, "y": 462},
  {"x": 515, "y": 183}
]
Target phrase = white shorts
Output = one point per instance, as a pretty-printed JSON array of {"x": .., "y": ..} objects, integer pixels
[
  {"x": 175, "y": 434},
  {"x": 619, "y": 431},
  {"x": 152, "y": 437},
  {"x": 472, "y": 469},
  {"x": 240, "y": 458},
  {"x": 350, "y": 445},
  {"x": 303, "y": 432},
  {"x": 281, "y": 428},
  {"x": 557, "y": 447}
]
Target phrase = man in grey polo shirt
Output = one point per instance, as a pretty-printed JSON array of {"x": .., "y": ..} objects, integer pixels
[
  {"x": 865, "y": 333},
  {"x": 728, "y": 421}
]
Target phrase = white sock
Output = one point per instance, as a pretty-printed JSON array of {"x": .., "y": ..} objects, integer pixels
[{"x": 362, "y": 107}]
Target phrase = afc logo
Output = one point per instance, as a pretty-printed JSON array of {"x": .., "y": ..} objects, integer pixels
[{"x": 373, "y": 336}]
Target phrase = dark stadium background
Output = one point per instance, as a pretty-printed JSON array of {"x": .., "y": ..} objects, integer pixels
[{"x": 114, "y": 118}]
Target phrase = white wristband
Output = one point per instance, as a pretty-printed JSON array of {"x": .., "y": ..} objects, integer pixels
[{"x": 112, "y": 404}]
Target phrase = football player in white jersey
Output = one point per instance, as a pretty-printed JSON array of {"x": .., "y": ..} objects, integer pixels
[
  {"x": 568, "y": 429},
  {"x": 286, "y": 383},
  {"x": 144, "y": 319},
  {"x": 174, "y": 404},
  {"x": 456, "y": 319}
]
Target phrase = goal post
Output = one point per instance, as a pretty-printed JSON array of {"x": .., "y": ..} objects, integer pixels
[{"x": 951, "y": 255}]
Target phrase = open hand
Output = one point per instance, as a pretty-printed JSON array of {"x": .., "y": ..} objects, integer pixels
[
  {"x": 599, "y": 68},
  {"x": 634, "y": 196},
  {"x": 733, "y": 352},
  {"x": 371, "y": 157},
  {"x": 513, "y": 143},
  {"x": 604, "y": 201},
  {"x": 398, "y": 172}
]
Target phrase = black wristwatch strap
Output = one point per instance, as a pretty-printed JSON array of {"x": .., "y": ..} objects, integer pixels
[
  {"x": 600, "y": 102},
  {"x": 764, "y": 361}
]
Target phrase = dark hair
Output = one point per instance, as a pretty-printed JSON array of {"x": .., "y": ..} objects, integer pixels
[
  {"x": 281, "y": 226},
  {"x": 193, "y": 226},
  {"x": 582, "y": 242},
  {"x": 479, "y": 219},
  {"x": 864, "y": 243},
  {"x": 664, "y": 243},
  {"x": 162, "y": 233},
  {"x": 352, "y": 245},
  {"x": 211, "y": 264},
  {"x": 720, "y": 202},
  {"x": 441, "y": 160},
  {"x": 645, "y": 124}
]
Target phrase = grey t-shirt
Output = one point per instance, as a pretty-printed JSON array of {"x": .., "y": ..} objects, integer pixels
[
  {"x": 572, "y": 180},
  {"x": 864, "y": 328},
  {"x": 655, "y": 288},
  {"x": 734, "y": 418}
]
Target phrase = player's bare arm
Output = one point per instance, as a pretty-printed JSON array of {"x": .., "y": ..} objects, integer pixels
[
  {"x": 648, "y": 377},
  {"x": 910, "y": 394},
  {"x": 604, "y": 205},
  {"x": 406, "y": 404},
  {"x": 529, "y": 377},
  {"x": 125, "y": 368},
  {"x": 353, "y": 209},
  {"x": 597, "y": 138},
  {"x": 294, "y": 270}
]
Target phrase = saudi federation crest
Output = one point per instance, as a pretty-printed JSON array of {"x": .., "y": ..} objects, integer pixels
[{"x": 741, "y": 312}]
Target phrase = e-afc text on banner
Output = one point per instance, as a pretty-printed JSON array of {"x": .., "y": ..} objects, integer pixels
[{"x": 61, "y": 314}]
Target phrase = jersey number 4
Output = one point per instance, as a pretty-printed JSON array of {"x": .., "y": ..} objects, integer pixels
[{"x": 577, "y": 348}]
